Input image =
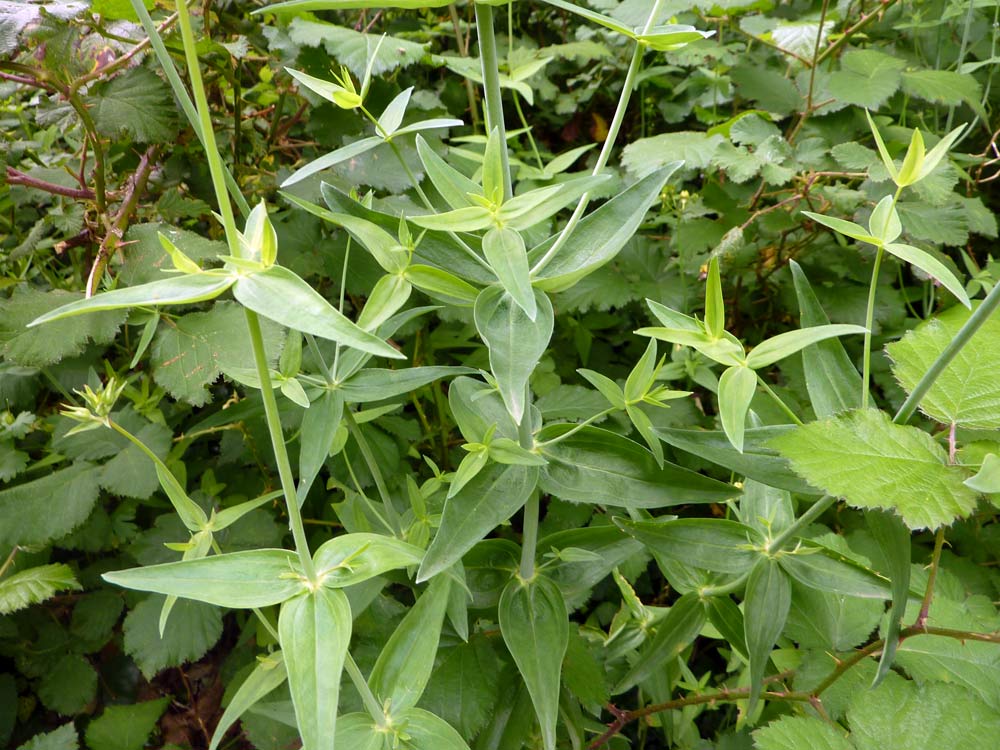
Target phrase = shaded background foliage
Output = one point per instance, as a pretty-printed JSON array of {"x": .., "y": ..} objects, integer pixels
[{"x": 98, "y": 160}]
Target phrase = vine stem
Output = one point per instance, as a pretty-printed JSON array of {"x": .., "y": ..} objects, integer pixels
[
  {"x": 272, "y": 417},
  {"x": 577, "y": 428},
  {"x": 609, "y": 143},
  {"x": 815, "y": 511},
  {"x": 778, "y": 400},
  {"x": 866, "y": 365}
]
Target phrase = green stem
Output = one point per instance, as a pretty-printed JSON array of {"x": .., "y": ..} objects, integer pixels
[
  {"x": 267, "y": 624},
  {"x": 527, "y": 129},
  {"x": 278, "y": 442},
  {"x": 964, "y": 335},
  {"x": 529, "y": 537},
  {"x": 376, "y": 472},
  {"x": 778, "y": 400},
  {"x": 726, "y": 588},
  {"x": 815, "y": 511},
  {"x": 584, "y": 423},
  {"x": 491, "y": 86},
  {"x": 361, "y": 685},
  {"x": 869, "y": 320},
  {"x": 609, "y": 143}
]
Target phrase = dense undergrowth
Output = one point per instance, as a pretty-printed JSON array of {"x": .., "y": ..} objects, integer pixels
[{"x": 673, "y": 422}]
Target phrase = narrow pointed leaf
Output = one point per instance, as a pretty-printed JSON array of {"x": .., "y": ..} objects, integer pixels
[
  {"x": 377, "y": 384},
  {"x": 713, "y": 544},
  {"x": 824, "y": 569},
  {"x": 882, "y": 150},
  {"x": 319, "y": 426},
  {"x": 332, "y": 159},
  {"x": 848, "y": 228},
  {"x": 315, "y": 630},
  {"x": 493, "y": 171},
  {"x": 893, "y": 539},
  {"x": 352, "y": 558},
  {"x": 256, "y": 578},
  {"x": 515, "y": 342},
  {"x": 884, "y": 222},
  {"x": 425, "y": 731},
  {"x": 909, "y": 172},
  {"x": 404, "y": 665},
  {"x": 936, "y": 154},
  {"x": 267, "y": 675},
  {"x": 528, "y": 209},
  {"x": 640, "y": 380},
  {"x": 786, "y": 344},
  {"x": 435, "y": 123},
  {"x": 535, "y": 627},
  {"x": 601, "y": 20},
  {"x": 736, "y": 388},
  {"x": 453, "y": 186},
  {"x": 392, "y": 116},
  {"x": 607, "y": 387},
  {"x": 468, "y": 219},
  {"x": 765, "y": 609},
  {"x": 176, "y": 290},
  {"x": 441, "y": 285},
  {"x": 932, "y": 267},
  {"x": 493, "y": 496},
  {"x": 715, "y": 310},
  {"x": 282, "y": 296},
  {"x": 386, "y": 298},
  {"x": 505, "y": 252},
  {"x": 674, "y": 633},
  {"x": 228, "y": 516}
]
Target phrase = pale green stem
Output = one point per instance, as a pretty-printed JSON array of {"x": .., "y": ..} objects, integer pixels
[
  {"x": 529, "y": 537},
  {"x": 267, "y": 625},
  {"x": 609, "y": 143},
  {"x": 866, "y": 364},
  {"x": 376, "y": 472},
  {"x": 725, "y": 588},
  {"x": 584, "y": 423},
  {"x": 361, "y": 685},
  {"x": 491, "y": 86},
  {"x": 527, "y": 128},
  {"x": 777, "y": 399},
  {"x": 815, "y": 511},
  {"x": 981, "y": 314},
  {"x": 361, "y": 493}
]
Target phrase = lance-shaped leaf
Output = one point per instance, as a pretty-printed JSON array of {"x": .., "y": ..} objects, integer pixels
[
  {"x": 387, "y": 296},
  {"x": 319, "y": 426},
  {"x": 265, "y": 677},
  {"x": 671, "y": 36},
  {"x": 736, "y": 388},
  {"x": 528, "y": 209},
  {"x": 872, "y": 463},
  {"x": 352, "y": 558},
  {"x": 516, "y": 343},
  {"x": 453, "y": 186},
  {"x": 931, "y": 266},
  {"x": 674, "y": 633},
  {"x": 315, "y": 630},
  {"x": 757, "y": 461},
  {"x": 494, "y": 495},
  {"x": 933, "y": 157},
  {"x": 715, "y": 309},
  {"x": 476, "y": 408},
  {"x": 833, "y": 382},
  {"x": 332, "y": 159},
  {"x": 600, "y": 235},
  {"x": 425, "y": 731},
  {"x": 596, "y": 466},
  {"x": 282, "y": 296},
  {"x": 374, "y": 384},
  {"x": 728, "y": 620},
  {"x": 535, "y": 627},
  {"x": 893, "y": 539},
  {"x": 601, "y": 20},
  {"x": 887, "y": 161},
  {"x": 441, "y": 285},
  {"x": 505, "y": 252},
  {"x": 847, "y": 228},
  {"x": 404, "y": 665},
  {"x": 468, "y": 219},
  {"x": 713, "y": 544},
  {"x": 788, "y": 343},
  {"x": 884, "y": 222},
  {"x": 241, "y": 580},
  {"x": 824, "y": 569},
  {"x": 765, "y": 609},
  {"x": 987, "y": 479},
  {"x": 392, "y": 116},
  {"x": 177, "y": 290}
]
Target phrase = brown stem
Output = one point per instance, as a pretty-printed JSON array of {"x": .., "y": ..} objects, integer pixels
[
  {"x": 925, "y": 607},
  {"x": 16, "y": 177},
  {"x": 866, "y": 19},
  {"x": 120, "y": 62}
]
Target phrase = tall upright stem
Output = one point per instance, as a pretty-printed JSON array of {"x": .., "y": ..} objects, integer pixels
[
  {"x": 491, "y": 86},
  {"x": 869, "y": 321},
  {"x": 529, "y": 537}
]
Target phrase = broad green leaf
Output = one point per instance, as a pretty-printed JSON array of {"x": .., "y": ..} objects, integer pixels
[
  {"x": 404, "y": 666},
  {"x": 315, "y": 630},
  {"x": 136, "y": 105},
  {"x": 44, "y": 509},
  {"x": 453, "y": 186},
  {"x": 905, "y": 716},
  {"x": 194, "y": 628},
  {"x": 987, "y": 479},
  {"x": 41, "y": 347},
  {"x": 715, "y": 304},
  {"x": 256, "y": 578},
  {"x": 893, "y": 540},
  {"x": 125, "y": 727},
  {"x": 505, "y": 252},
  {"x": 597, "y": 466},
  {"x": 463, "y": 688},
  {"x": 788, "y": 343},
  {"x": 279, "y": 294},
  {"x": 765, "y": 609},
  {"x": 736, "y": 388},
  {"x": 847, "y": 228},
  {"x": 641, "y": 379},
  {"x": 425, "y": 731},
  {"x": 265, "y": 677},
  {"x": 534, "y": 624},
  {"x": 532, "y": 208},
  {"x": 910, "y": 170},
  {"x": 63, "y": 738},
  {"x": 872, "y": 463},
  {"x": 709, "y": 543},
  {"x": 596, "y": 551},
  {"x": 516, "y": 342},
  {"x": 493, "y": 496},
  {"x": 387, "y": 296},
  {"x": 468, "y": 219},
  {"x": 177, "y": 290},
  {"x": 967, "y": 391},
  {"x": 797, "y": 732},
  {"x": 352, "y": 558},
  {"x": 824, "y": 569},
  {"x": 600, "y": 235},
  {"x": 726, "y": 350},
  {"x": 319, "y": 426},
  {"x": 727, "y": 618},
  {"x": 476, "y": 408},
  {"x": 674, "y": 633},
  {"x": 932, "y": 267},
  {"x": 34, "y": 585},
  {"x": 358, "y": 732},
  {"x": 493, "y": 168},
  {"x": 833, "y": 382},
  {"x": 375, "y": 384},
  {"x": 467, "y": 470},
  {"x": 441, "y": 285},
  {"x": 767, "y": 509},
  {"x": 867, "y": 78},
  {"x": 673, "y": 319}
]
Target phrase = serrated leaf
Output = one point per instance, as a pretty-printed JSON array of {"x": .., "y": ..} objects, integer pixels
[
  {"x": 872, "y": 463},
  {"x": 796, "y": 732},
  {"x": 966, "y": 392},
  {"x": 136, "y": 103},
  {"x": 44, "y": 509},
  {"x": 40, "y": 347},
  {"x": 867, "y": 78},
  {"x": 694, "y": 149},
  {"x": 125, "y": 727},
  {"x": 464, "y": 686},
  {"x": 582, "y": 674},
  {"x": 34, "y": 585},
  {"x": 194, "y": 628},
  {"x": 63, "y": 738}
]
